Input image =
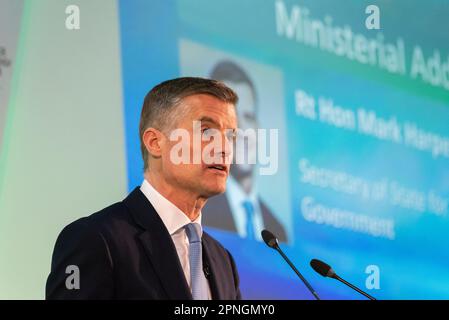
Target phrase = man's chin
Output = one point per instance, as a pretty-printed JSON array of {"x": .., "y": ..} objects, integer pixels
[{"x": 215, "y": 191}]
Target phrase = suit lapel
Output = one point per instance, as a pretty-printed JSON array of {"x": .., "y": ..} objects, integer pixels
[
  {"x": 159, "y": 246},
  {"x": 211, "y": 263}
]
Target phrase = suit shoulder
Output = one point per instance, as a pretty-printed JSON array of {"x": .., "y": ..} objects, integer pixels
[
  {"x": 96, "y": 223},
  {"x": 109, "y": 215}
]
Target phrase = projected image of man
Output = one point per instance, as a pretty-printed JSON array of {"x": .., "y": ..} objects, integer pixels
[{"x": 241, "y": 208}]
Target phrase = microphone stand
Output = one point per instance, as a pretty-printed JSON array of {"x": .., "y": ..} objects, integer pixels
[
  {"x": 278, "y": 249},
  {"x": 353, "y": 287}
]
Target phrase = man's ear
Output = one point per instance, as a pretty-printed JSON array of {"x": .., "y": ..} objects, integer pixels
[{"x": 152, "y": 138}]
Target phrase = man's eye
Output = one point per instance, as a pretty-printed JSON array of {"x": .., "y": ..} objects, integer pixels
[
  {"x": 207, "y": 132},
  {"x": 232, "y": 136}
]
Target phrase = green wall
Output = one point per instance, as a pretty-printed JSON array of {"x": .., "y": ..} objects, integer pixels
[{"x": 63, "y": 155}]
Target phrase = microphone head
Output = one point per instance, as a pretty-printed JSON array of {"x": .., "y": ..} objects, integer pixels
[
  {"x": 270, "y": 239},
  {"x": 322, "y": 268}
]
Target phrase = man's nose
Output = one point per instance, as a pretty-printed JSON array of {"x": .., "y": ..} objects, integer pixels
[{"x": 226, "y": 149}]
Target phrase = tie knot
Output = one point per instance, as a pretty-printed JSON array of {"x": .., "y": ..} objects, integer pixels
[{"x": 193, "y": 232}]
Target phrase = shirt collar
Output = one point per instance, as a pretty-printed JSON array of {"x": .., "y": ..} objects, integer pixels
[{"x": 172, "y": 217}]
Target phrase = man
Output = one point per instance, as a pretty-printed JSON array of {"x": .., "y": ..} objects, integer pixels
[
  {"x": 241, "y": 209},
  {"x": 151, "y": 245}
]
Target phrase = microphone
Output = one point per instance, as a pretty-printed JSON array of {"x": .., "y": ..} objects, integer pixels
[
  {"x": 326, "y": 271},
  {"x": 206, "y": 271},
  {"x": 271, "y": 241}
]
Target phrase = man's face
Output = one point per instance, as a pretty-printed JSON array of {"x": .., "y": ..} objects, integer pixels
[{"x": 201, "y": 178}]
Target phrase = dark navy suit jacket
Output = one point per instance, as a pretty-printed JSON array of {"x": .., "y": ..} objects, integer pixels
[{"x": 125, "y": 252}]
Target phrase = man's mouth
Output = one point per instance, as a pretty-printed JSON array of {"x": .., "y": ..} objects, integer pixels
[{"x": 218, "y": 167}]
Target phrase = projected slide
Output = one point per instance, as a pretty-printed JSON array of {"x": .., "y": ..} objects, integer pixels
[
  {"x": 10, "y": 13},
  {"x": 361, "y": 176}
]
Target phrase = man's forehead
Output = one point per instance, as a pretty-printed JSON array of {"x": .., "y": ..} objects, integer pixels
[
  {"x": 211, "y": 109},
  {"x": 203, "y": 100}
]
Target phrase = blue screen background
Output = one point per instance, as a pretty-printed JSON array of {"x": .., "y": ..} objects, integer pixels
[{"x": 412, "y": 264}]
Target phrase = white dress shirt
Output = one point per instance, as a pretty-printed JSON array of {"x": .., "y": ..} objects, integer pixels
[
  {"x": 174, "y": 220},
  {"x": 236, "y": 196}
]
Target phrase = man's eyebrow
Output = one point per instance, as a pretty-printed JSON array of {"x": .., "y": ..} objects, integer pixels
[{"x": 209, "y": 119}]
